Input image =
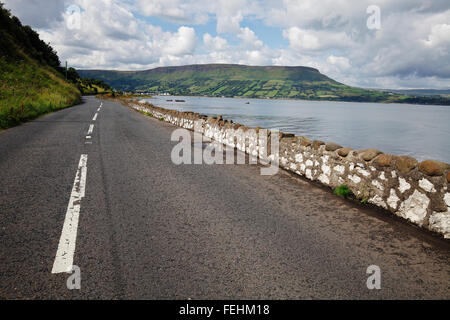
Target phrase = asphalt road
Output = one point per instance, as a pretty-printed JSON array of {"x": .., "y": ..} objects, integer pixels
[{"x": 149, "y": 229}]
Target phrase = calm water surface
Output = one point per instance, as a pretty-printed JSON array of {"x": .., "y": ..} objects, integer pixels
[{"x": 402, "y": 129}]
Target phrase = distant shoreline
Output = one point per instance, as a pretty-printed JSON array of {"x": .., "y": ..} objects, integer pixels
[{"x": 298, "y": 99}]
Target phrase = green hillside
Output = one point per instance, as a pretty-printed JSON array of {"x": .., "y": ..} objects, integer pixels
[
  {"x": 244, "y": 81},
  {"x": 247, "y": 81},
  {"x": 30, "y": 84}
]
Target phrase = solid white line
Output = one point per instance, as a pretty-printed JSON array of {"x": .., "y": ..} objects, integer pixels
[
  {"x": 66, "y": 248},
  {"x": 88, "y": 137},
  {"x": 98, "y": 109},
  {"x": 91, "y": 129},
  {"x": 95, "y": 117}
]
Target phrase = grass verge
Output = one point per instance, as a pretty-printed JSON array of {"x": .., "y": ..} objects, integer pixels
[{"x": 29, "y": 90}]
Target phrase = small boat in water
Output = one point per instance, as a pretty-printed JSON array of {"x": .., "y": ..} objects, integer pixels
[
  {"x": 180, "y": 100},
  {"x": 247, "y": 102}
]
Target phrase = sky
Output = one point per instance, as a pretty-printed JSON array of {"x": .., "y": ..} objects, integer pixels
[{"x": 366, "y": 43}]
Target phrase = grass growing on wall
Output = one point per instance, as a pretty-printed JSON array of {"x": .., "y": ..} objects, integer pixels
[
  {"x": 146, "y": 113},
  {"x": 342, "y": 191}
]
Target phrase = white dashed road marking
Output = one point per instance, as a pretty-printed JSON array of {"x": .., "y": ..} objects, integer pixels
[{"x": 66, "y": 248}]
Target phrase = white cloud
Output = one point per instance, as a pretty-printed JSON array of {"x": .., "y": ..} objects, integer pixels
[
  {"x": 249, "y": 38},
  {"x": 180, "y": 43},
  {"x": 39, "y": 14},
  {"x": 256, "y": 57},
  {"x": 166, "y": 8},
  {"x": 214, "y": 43},
  {"x": 300, "y": 39},
  {"x": 342, "y": 63},
  {"x": 440, "y": 34},
  {"x": 229, "y": 15},
  {"x": 111, "y": 37},
  {"x": 192, "y": 12}
]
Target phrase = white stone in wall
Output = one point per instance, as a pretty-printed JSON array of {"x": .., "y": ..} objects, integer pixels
[
  {"x": 354, "y": 178},
  {"x": 378, "y": 201},
  {"x": 403, "y": 185},
  {"x": 426, "y": 185},
  {"x": 393, "y": 200},
  {"x": 377, "y": 184},
  {"x": 340, "y": 180},
  {"x": 363, "y": 172},
  {"x": 382, "y": 176},
  {"x": 299, "y": 157},
  {"x": 326, "y": 170},
  {"x": 316, "y": 163},
  {"x": 283, "y": 161},
  {"x": 394, "y": 174},
  {"x": 324, "y": 179},
  {"x": 415, "y": 208},
  {"x": 303, "y": 167},
  {"x": 325, "y": 159},
  {"x": 352, "y": 166},
  {"x": 309, "y": 174},
  {"x": 309, "y": 163},
  {"x": 262, "y": 150},
  {"x": 293, "y": 167},
  {"x": 360, "y": 165},
  {"x": 373, "y": 169},
  {"x": 339, "y": 169},
  {"x": 447, "y": 200},
  {"x": 440, "y": 222}
]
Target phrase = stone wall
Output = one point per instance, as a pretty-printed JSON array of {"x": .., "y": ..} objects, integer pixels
[{"x": 414, "y": 191}]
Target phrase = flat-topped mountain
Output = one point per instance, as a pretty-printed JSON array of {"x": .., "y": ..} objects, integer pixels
[{"x": 232, "y": 80}]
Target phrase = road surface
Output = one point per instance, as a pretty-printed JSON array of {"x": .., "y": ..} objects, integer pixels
[{"x": 148, "y": 229}]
